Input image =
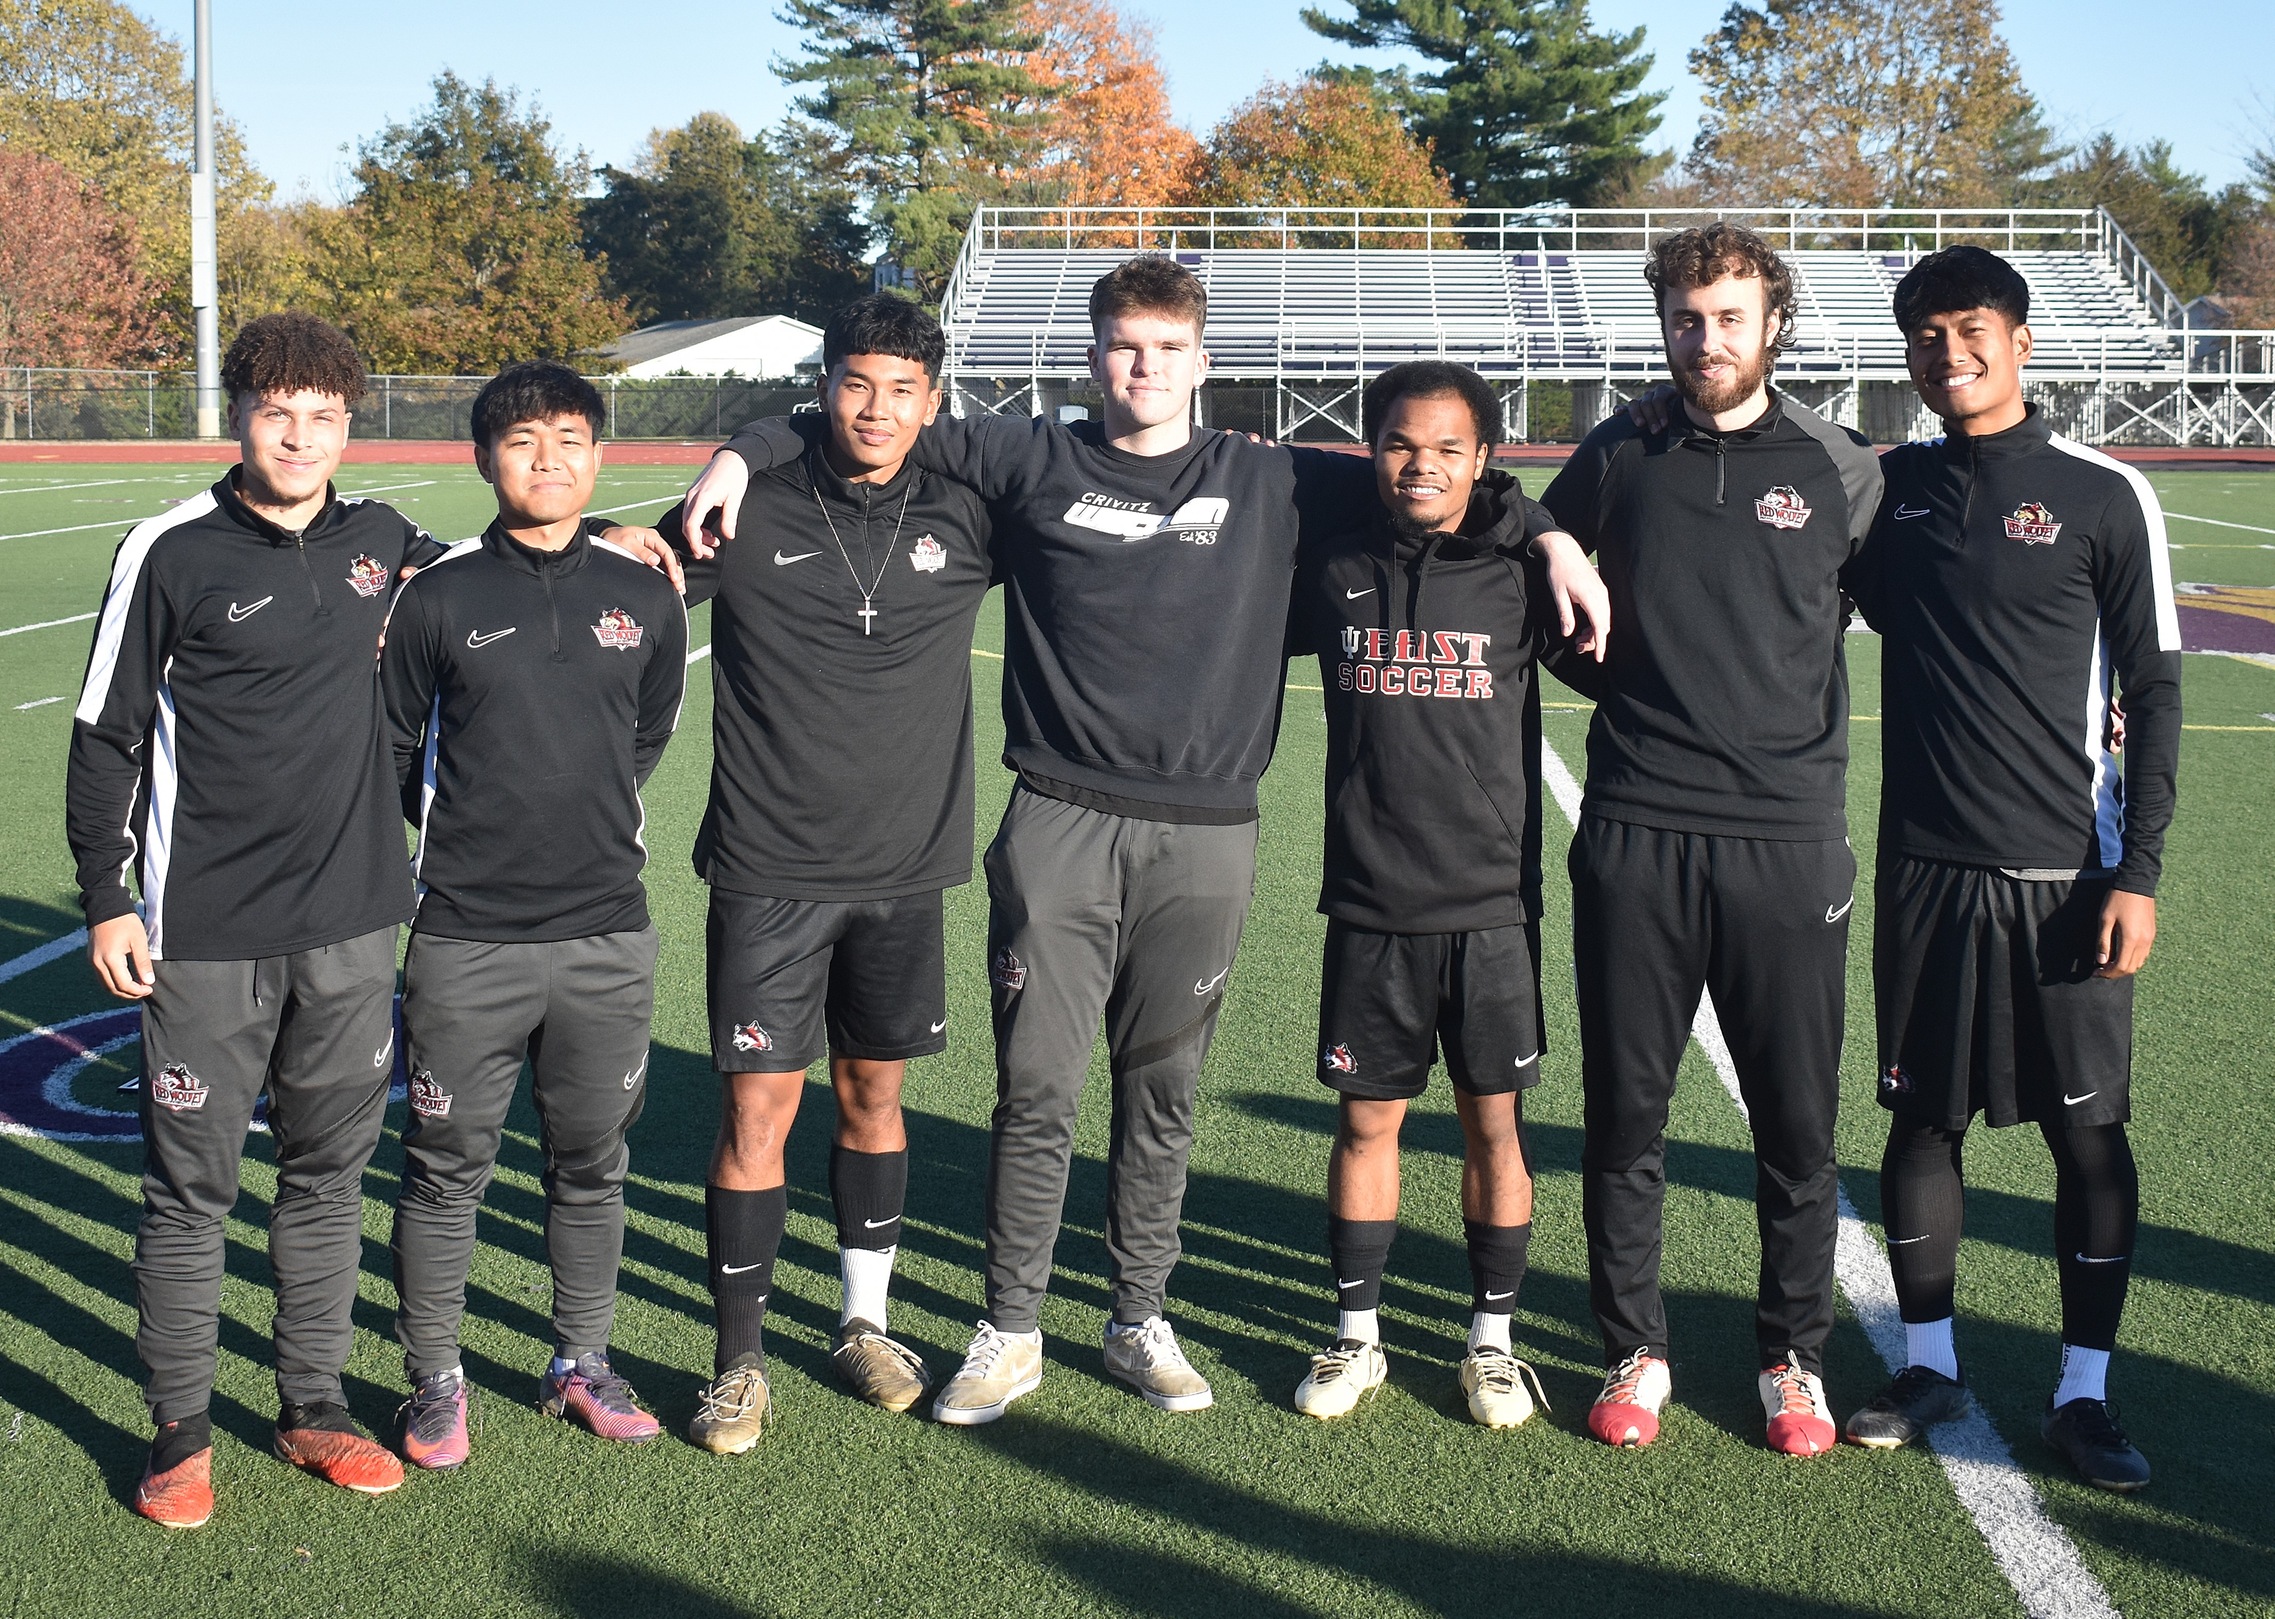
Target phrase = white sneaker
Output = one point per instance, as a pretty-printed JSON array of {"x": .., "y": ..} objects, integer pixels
[
  {"x": 1339, "y": 1379},
  {"x": 997, "y": 1370},
  {"x": 1147, "y": 1358},
  {"x": 1495, "y": 1380}
]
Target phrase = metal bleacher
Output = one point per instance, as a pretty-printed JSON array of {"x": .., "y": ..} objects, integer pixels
[{"x": 1308, "y": 303}]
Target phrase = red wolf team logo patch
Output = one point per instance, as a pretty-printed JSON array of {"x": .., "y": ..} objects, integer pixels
[
  {"x": 1781, "y": 508},
  {"x": 1894, "y": 1081},
  {"x": 2032, "y": 524},
  {"x": 1007, "y": 971},
  {"x": 928, "y": 555},
  {"x": 177, "y": 1090},
  {"x": 367, "y": 576},
  {"x": 617, "y": 631},
  {"x": 1339, "y": 1060},
  {"x": 750, "y": 1037},
  {"x": 428, "y": 1099}
]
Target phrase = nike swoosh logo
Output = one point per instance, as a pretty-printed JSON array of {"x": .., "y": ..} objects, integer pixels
[
  {"x": 937, "y": 1027},
  {"x": 781, "y": 561},
  {"x": 1207, "y": 984},
  {"x": 379, "y": 1057},
  {"x": 485, "y": 637},
  {"x": 1905, "y": 514},
  {"x": 1836, "y": 912},
  {"x": 1898, "y": 1242},
  {"x": 2113, "y": 1259},
  {"x": 238, "y": 615},
  {"x": 878, "y": 1225},
  {"x": 1354, "y": 595},
  {"x": 2072, "y": 1101},
  {"x": 1523, "y": 1061},
  {"x": 1347, "y": 1286},
  {"x": 633, "y": 1078},
  {"x": 737, "y": 1270},
  {"x": 1490, "y": 1297}
]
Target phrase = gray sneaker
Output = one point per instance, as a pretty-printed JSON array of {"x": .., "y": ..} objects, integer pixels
[
  {"x": 997, "y": 1370},
  {"x": 1147, "y": 1358}
]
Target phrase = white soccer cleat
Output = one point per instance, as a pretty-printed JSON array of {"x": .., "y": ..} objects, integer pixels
[
  {"x": 1339, "y": 1379},
  {"x": 1800, "y": 1423},
  {"x": 1494, "y": 1382}
]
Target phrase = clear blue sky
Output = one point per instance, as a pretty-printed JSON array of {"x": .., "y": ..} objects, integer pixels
[{"x": 304, "y": 82}]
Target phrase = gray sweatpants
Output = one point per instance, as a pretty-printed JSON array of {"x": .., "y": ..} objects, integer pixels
[
  {"x": 1094, "y": 914},
  {"x": 578, "y": 1009},
  {"x": 316, "y": 1031}
]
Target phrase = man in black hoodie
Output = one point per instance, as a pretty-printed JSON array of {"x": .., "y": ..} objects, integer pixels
[{"x": 1427, "y": 613}]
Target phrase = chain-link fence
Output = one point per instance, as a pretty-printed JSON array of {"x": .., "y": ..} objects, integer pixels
[{"x": 39, "y": 403}]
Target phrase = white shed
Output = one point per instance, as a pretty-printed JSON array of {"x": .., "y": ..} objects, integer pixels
[{"x": 769, "y": 346}]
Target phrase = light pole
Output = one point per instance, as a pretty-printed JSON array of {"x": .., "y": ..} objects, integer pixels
[{"x": 204, "y": 294}]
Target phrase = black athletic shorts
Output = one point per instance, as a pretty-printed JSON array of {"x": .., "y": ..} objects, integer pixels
[
  {"x": 1388, "y": 1001},
  {"x": 1983, "y": 981},
  {"x": 789, "y": 980}
]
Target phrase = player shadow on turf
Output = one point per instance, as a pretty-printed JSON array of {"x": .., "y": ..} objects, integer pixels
[{"x": 1438, "y": 1574}]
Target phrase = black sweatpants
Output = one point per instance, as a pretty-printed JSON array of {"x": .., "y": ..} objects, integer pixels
[
  {"x": 578, "y": 1010},
  {"x": 1658, "y": 916}
]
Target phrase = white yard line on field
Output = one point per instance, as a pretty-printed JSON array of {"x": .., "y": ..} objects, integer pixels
[
  {"x": 53, "y": 950},
  {"x": 2216, "y": 522},
  {"x": 48, "y": 624},
  {"x": 51, "y": 488},
  {"x": 386, "y": 488},
  {"x": 37, "y": 702},
  {"x": 699, "y": 654},
  {"x": 116, "y": 525},
  {"x": 2035, "y": 1554}
]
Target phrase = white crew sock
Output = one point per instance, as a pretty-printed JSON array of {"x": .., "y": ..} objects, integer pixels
[
  {"x": 1362, "y": 1325},
  {"x": 1928, "y": 1343},
  {"x": 868, "y": 1277},
  {"x": 2085, "y": 1375},
  {"x": 1489, "y": 1331}
]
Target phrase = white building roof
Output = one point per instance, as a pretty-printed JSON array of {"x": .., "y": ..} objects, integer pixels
[{"x": 747, "y": 346}]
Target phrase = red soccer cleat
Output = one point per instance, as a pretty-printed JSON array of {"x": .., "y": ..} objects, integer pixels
[
  {"x": 182, "y": 1496},
  {"x": 1626, "y": 1413},
  {"x": 1800, "y": 1424},
  {"x": 434, "y": 1422},
  {"x": 596, "y": 1399},
  {"x": 321, "y": 1439}
]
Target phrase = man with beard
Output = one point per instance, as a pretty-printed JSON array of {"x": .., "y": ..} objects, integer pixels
[{"x": 1712, "y": 851}]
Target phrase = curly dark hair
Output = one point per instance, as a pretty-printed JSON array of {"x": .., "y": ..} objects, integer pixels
[
  {"x": 535, "y": 391},
  {"x": 287, "y": 352},
  {"x": 1431, "y": 379},
  {"x": 1709, "y": 253},
  {"x": 1150, "y": 284}
]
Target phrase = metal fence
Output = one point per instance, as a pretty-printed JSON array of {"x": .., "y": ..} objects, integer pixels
[{"x": 41, "y": 403}]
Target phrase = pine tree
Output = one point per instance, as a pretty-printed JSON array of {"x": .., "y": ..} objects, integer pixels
[
  {"x": 1527, "y": 105},
  {"x": 931, "y": 106}
]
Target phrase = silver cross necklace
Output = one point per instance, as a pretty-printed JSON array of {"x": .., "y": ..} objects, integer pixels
[{"x": 868, "y": 614}]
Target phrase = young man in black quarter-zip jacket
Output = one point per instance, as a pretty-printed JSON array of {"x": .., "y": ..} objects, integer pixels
[
  {"x": 1427, "y": 610},
  {"x": 532, "y": 677},
  {"x": 227, "y": 751},
  {"x": 2012, "y": 573},
  {"x": 1712, "y": 851}
]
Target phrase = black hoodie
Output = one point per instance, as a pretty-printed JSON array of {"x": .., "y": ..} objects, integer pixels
[{"x": 1426, "y": 646}]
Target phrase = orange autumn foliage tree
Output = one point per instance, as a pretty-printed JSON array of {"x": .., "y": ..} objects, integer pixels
[
  {"x": 72, "y": 292},
  {"x": 1109, "y": 140},
  {"x": 1315, "y": 144}
]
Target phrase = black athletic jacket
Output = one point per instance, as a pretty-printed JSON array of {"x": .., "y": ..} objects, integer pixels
[
  {"x": 227, "y": 746},
  {"x": 1426, "y": 648},
  {"x": 1145, "y": 604},
  {"x": 841, "y": 747},
  {"x": 2013, "y": 576},
  {"x": 1722, "y": 705},
  {"x": 529, "y": 694}
]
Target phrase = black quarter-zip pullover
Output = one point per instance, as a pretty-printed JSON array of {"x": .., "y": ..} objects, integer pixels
[
  {"x": 2018, "y": 579},
  {"x": 227, "y": 745},
  {"x": 1426, "y": 647},
  {"x": 529, "y": 695},
  {"x": 1722, "y": 703}
]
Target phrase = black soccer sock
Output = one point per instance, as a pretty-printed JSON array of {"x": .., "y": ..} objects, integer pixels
[
  {"x": 1360, "y": 1252},
  {"x": 869, "y": 1190},
  {"x": 176, "y": 1442},
  {"x": 1922, "y": 1204},
  {"x": 743, "y": 1233},
  {"x": 2097, "y": 1210},
  {"x": 1496, "y": 1264}
]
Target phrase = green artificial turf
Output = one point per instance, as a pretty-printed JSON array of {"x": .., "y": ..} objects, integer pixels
[{"x": 1083, "y": 1499}]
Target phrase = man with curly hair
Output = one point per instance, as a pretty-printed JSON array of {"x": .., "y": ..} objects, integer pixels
[
  {"x": 1712, "y": 852},
  {"x": 227, "y": 751}
]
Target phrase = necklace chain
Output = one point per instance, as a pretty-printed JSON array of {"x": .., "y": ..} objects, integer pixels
[{"x": 868, "y": 614}]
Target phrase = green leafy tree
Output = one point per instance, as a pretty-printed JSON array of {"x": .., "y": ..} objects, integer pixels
[
  {"x": 1526, "y": 103},
  {"x": 931, "y": 107},
  {"x": 460, "y": 249},
  {"x": 2187, "y": 230},
  {"x": 1861, "y": 103},
  {"x": 707, "y": 224}
]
